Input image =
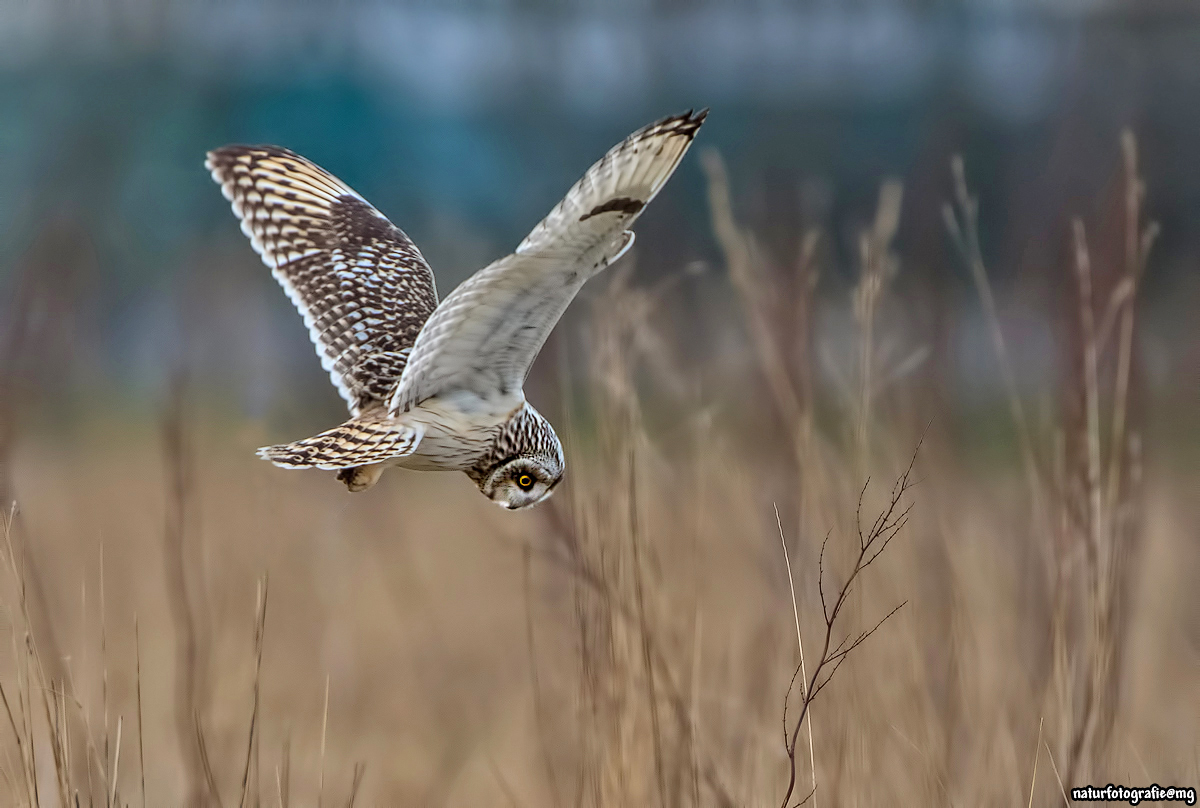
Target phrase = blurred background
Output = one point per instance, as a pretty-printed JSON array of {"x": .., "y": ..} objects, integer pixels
[{"x": 814, "y": 294}]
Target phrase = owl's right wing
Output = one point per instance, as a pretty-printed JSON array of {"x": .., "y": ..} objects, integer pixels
[
  {"x": 484, "y": 336},
  {"x": 361, "y": 285}
]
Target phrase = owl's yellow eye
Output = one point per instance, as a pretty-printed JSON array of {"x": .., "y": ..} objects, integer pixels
[{"x": 525, "y": 482}]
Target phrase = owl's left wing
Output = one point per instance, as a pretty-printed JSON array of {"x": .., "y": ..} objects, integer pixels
[{"x": 484, "y": 336}]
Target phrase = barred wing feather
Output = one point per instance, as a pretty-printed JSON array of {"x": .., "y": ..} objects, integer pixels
[{"x": 359, "y": 282}]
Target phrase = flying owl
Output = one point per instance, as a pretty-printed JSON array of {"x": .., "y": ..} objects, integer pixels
[{"x": 436, "y": 386}]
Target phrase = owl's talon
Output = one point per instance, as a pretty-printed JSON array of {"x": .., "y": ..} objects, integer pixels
[{"x": 360, "y": 478}]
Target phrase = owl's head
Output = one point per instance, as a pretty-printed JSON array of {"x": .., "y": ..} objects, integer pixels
[
  {"x": 520, "y": 483},
  {"x": 525, "y": 462}
]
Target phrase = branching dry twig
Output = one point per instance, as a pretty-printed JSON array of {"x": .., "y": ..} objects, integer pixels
[{"x": 871, "y": 545}]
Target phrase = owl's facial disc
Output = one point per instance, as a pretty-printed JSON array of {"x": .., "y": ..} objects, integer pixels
[{"x": 519, "y": 483}]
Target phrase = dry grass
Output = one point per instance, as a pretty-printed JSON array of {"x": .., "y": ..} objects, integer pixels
[{"x": 635, "y": 641}]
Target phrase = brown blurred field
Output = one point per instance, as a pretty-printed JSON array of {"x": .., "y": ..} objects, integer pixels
[{"x": 632, "y": 642}]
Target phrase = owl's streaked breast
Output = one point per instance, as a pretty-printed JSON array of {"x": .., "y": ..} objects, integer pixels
[{"x": 458, "y": 430}]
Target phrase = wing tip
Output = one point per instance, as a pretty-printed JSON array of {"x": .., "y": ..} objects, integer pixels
[
  {"x": 692, "y": 120},
  {"x": 214, "y": 159},
  {"x": 684, "y": 123}
]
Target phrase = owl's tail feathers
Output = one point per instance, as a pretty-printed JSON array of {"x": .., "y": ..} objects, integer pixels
[{"x": 358, "y": 442}]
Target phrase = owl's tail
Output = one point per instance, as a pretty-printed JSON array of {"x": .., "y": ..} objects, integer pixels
[{"x": 358, "y": 442}]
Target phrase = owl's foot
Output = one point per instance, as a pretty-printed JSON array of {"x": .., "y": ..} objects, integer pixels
[{"x": 360, "y": 478}]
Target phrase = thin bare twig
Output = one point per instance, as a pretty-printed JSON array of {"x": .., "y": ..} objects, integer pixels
[
  {"x": 210, "y": 778},
  {"x": 137, "y": 650},
  {"x": 812, "y": 762},
  {"x": 1057, "y": 777},
  {"x": 871, "y": 544},
  {"x": 324, "y": 727},
  {"x": 360, "y": 769},
  {"x": 1037, "y": 752},
  {"x": 260, "y": 623}
]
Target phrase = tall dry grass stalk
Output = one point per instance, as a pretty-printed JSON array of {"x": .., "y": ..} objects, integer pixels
[
  {"x": 44, "y": 291},
  {"x": 1091, "y": 515},
  {"x": 191, "y": 661},
  {"x": 962, "y": 222},
  {"x": 759, "y": 292},
  {"x": 877, "y": 267},
  {"x": 42, "y": 710},
  {"x": 803, "y": 668},
  {"x": 638, "y": 740}
]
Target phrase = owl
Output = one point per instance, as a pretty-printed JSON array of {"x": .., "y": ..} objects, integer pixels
[{"x": 436, "y": 386}]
